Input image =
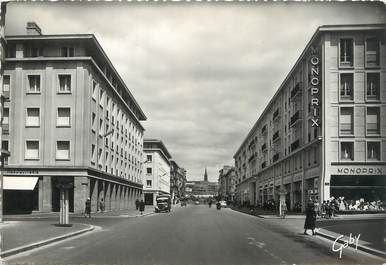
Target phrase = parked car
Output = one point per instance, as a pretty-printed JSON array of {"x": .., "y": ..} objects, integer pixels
[
  {"x": 163, "y": 203},
  {"x": 223, "y": 204},
  {"x": 196, "y": 202},
  {"x": 183, "y": 203}
]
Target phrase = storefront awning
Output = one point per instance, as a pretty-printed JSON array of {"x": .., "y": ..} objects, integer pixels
[{"x": 19, "y": 183}]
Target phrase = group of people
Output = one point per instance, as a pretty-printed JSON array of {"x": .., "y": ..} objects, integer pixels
[{"x": 139, "y": 205}]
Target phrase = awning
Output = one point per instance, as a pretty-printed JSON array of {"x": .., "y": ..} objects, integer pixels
[{"x": 19, "y": 183}]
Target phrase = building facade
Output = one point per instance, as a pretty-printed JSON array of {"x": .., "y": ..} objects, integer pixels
[
  {"x": 322, "y": 134},
  {"x": 70, "y": 119},
  {"x": 156, "y": 170},
  {"x": 227, "y": 183},
  {"x": 177, "y": 181}
]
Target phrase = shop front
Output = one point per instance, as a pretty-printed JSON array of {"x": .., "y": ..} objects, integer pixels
[{"x": 359, "y": 187}]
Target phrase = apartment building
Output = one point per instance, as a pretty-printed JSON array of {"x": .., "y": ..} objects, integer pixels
[
  {"x": 227, "y": 183},
  {"x": 156, "y": 170},
  {"x": 177, "y": 181},
  {"x": 69, "y": 118},
  {"x": 323, "y": 134}
]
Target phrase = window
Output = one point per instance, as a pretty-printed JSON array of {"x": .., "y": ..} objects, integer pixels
[
  {"x": 32, "y": 150},
  {"x": 100, "y": 127},
  {"x": 31, "y": 51},
  {"x": 372, "y": 52},
  {"x": 94, "y": 90},
  {"x": 373, "y": 85},
  {"x": 33, "y": 83},
  {"x": 93, "y": 154},
  {"x": 6, "y": 83},
  {"x": 62, "y": 150},
  {"x": 33, "y": 117},
  {"x": 148, "y": 170},
  {"x": 93, "y": 117},
  {"x": 148, "y": 183},
  {"x": 373, "y": 150},
  {"x": 67, "y": 51},
  {"x": 63, "y": 118},
  {"x": 347, "y": 150},
  {"x": 346, "y": 52},
  {"x": 100, "y": 157},
  {"x": 5, "y": 146},
  {"x": 101, "y": 96},
  {"x": 64, "y": 83},
  {"x": 346, "y": 86},
  {"x": 5, "y": 116},
  {"x": 149, "y": 158},
  {"x": 372, "y": 120},
  {"x": 346, "y": 121}
]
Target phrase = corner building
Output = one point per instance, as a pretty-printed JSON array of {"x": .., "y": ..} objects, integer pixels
[
  {"x": 157, "y": 174},
  {"x": 323, "y": 133},
  {"x": 69, "y": 118}
]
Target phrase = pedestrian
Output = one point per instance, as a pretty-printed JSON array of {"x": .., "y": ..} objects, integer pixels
[
  {"x": 310, "y": 218},
  {"x": 141, "y": 206},
  {"x": 283, "y": 207},
  {"x": 87, "y": 211},
  {"x": 137, "y": 204},
  {"x": 328, "y": 209},
  {"x": 102, "y": 205}
]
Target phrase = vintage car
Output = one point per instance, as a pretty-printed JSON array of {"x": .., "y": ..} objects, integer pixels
[{"x": 163, "y": 203}]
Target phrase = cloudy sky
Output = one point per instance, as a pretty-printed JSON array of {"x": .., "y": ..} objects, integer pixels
[{"x": 202, "y": 72}]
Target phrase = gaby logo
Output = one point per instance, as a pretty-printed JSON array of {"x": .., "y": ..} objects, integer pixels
[{"x": 350, "y": 241}]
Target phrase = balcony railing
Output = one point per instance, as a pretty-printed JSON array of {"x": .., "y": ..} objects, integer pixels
[
  {"x": 372, "y": 128},
  {"x": 295, "y": 145},
  {"x": 5, "y": 129},
  {"x": 264, "y": 147},
  {"x": 275, "y": 136},
  {"x": 276, "y": 157},
  {"x": 346, "y": 128},
  {"x": 294, "y": 119},
  {"x": 296, "y": 90}
]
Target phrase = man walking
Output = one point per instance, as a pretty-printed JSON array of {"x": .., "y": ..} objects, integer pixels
[
  {"x": 87, "y": 211},
  {"x": 137, "y": 204},
  {"x": 142, "y": 206}
]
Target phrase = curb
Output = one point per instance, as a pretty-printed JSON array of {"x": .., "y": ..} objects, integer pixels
[
  {"x": 18, "y": 250},
  {"x": 360, "y": 247},
  {"x": 139, "y": 215}
]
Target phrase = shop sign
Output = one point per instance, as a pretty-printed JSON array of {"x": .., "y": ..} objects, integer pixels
[
  {"x": 297, "y": 177},
  {"x": 315, "y": 87},
  {"x": 360, "y": 170},
  {"x": 21, "y": 172}
]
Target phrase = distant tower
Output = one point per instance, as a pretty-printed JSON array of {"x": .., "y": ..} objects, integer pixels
[{"x": 206, "y": 176}]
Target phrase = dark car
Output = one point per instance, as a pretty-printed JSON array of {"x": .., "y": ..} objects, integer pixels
[
  {"x": 183, "y": 203},
  {"x": 162, "y": 203}
]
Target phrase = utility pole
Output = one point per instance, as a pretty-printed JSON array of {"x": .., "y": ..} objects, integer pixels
[{"x": 2, "y": 61}]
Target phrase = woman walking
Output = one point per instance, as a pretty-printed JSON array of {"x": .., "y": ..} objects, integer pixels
[{"x": 310, "y": 218}]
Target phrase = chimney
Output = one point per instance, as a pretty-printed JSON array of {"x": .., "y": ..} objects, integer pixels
[{"x": 33, "y": 29}]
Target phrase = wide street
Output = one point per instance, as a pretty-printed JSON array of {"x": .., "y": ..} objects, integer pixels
[{"x": 191, "y": 235}]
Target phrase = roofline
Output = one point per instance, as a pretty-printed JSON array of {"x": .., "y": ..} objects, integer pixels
[
  {"x": 163, "y": 147},
  {"x": 323, "y": 28},
  {"x": 80, "y": 36}
]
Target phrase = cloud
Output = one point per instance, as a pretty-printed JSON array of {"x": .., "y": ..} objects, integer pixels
[{"x": 203, "y": 73}]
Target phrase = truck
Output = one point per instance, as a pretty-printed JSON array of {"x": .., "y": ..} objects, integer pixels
[{"x": 163, "y": 203}]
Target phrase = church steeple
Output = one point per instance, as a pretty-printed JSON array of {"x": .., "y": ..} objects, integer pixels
[{"x": 205, "y": 176}]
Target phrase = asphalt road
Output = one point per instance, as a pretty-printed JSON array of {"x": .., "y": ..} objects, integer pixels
[{"x": 191, "y": 235}]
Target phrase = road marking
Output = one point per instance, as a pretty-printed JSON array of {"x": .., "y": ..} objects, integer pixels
[{"x": 69, "y": 247}]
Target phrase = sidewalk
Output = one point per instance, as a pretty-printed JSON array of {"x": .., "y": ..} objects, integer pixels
[
  {"x": 295, "y": 224},
  {"x": 19, "y": 236},
  {"x": 117, "y": 213},
  {"x": 20, "y": 233}
]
